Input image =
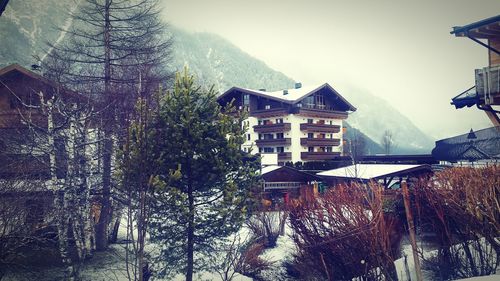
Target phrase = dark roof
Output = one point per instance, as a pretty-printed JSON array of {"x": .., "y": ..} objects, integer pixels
[
  {"x": 467, "y": 98},
  {"x": 286, "y": 174},
  {"x": 293, "y": 95},
  {"x": 461, "y": 148},
  {"x": 16, "y": 69},
  {"x": 3, "y": 4},
  {"x": 485, "y": 28}
]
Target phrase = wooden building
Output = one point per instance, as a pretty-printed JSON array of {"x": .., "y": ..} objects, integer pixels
[
  {"x": 300, "y": 124},
  {"x": 485, "y": 94},
  {"x": 284, "y": 185}
]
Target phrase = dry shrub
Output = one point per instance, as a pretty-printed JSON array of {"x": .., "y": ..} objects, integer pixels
[
  {"x": 266, "y": 226},
  {"x": 250, "y": 263},
  {"x": 344, "y": 234},
  {"x": 461, "y": 205}
]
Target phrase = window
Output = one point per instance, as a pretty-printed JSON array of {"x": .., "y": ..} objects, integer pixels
[
  {"x": 248, "y": 136},
  {"x": 246, "y": 99},
  {"x": 310, "y": 135},
  {"x": 280, "y": 149},
  {"x": 321, "y": 136},
  {"x": 309, "y": 101},
  {"x": 260, "y": 122},
  {"x": 279, "y": 135},
  {"x": 261, "y": 149},
  {"x": 321, "y": 122},
  {"x": 310, "y": 121},
  {"x": 310, "y": 149},
  {"x": 331, "y": 122},
  {"x": 267, "y": 106},
  {"x": 328, "y": 149},
  {"x": 268, "y": 150},
  {"x": 319, "y": 101},
  {"x": 268, "y": 136},
  {"x": 279, "y": 121},
  {"x": 261, "y": 136}
]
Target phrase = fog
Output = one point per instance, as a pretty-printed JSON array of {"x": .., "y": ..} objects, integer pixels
[{"x": 401, "y": 51}]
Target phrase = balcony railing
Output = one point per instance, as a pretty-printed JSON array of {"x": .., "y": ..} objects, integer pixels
[
  {"x": 269, "y": 128},
  {"x": 311, "y": 156},
  {"x": 262, "y": 113},
  {"x": 271, "y": 142},
  {"x": 488, "y": 85},
  {"x": 284, "y": 156},
  {"x": 324, "y": 128},
  {"x": 319, "y": 142},
  {"x": 320, "y": 113},
  {"x": 281, "y": 185}
]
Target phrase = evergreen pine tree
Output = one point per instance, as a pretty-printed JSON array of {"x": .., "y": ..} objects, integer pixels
[{"x": 208, "y": 198}]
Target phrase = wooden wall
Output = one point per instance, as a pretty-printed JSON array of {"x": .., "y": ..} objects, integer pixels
[{"x": 493, "y": 57}]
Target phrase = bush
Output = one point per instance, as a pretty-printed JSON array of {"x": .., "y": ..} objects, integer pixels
[
  {"x": 345, "y": 234},
  {"x": 461, "y": 205}
]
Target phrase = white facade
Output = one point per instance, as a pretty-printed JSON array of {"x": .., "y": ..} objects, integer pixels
[
  {"x": 295, "y": 148},
  {"x": 301, "y": 124}
]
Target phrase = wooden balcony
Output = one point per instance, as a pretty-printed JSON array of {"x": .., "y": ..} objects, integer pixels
[
  {"x": 488, "y": 85},
  {"x": 284, "y": 156},
  {"x": 320, "y": 113},
  {"x": 315, "y": 156},
  {"x": 274, "y": 142},
  {"x": 264, "y": 113},
  {"x": 319, "y": 142},
  {"x": 323, "y": 128},
  {"x": 272, "y": 128}
]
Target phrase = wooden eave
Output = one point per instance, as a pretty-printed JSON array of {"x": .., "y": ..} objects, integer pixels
[
  {"x": 262, "y": 94},
  {"x": 23, "y": 71},
  {"x": 483, "y": 29}
]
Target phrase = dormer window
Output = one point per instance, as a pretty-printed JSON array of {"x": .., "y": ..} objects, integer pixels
[{"x": 268, "y": 106}]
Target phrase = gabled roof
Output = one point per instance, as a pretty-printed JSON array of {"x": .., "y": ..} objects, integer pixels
[
  {"x": 16, "y": 67},
  {"x": 374, "y": 171},
  {"x": 292, "y": 96},
  {"x": 35, "y": 76},
  {"x": 284, "y": 173},
  {"x": 459, "y": 148}
]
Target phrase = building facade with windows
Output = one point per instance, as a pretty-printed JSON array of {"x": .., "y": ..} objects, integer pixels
[{"x": 300, "y": 124}]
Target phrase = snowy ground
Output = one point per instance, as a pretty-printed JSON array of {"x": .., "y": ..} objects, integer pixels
[{"x": 110, "y": 265}]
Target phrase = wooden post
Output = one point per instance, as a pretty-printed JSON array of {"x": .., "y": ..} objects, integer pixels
[{"x": 411, "y": 230}]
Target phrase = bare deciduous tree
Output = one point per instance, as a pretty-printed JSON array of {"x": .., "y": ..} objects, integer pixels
[{"x": 110, "y": 46}]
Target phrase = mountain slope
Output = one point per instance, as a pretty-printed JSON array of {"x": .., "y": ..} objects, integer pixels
[
  {"x": 25, "y": 27},
  {"x": 215, "y": 60}
]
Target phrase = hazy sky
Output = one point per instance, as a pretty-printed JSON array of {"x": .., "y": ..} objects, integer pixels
[{"x": 401, "y": 51}]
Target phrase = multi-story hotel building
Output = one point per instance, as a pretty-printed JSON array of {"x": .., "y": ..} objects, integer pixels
[{"x": 301, "y": 124}]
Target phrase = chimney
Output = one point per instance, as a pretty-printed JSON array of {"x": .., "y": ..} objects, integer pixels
[
  {"x": 285, "y": 92},
  {"x": 262, "y": 90},
  {"x": 298, "y": 85}
]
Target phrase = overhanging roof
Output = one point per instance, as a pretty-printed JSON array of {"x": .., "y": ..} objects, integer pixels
[
  {"x": 486, "y": 28},
  {"x": 285, "y": 174},
  {"x": 292, "y": 96},
  {"x": 374, "y": 171},
  {"x": 467, "y": 98}
]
